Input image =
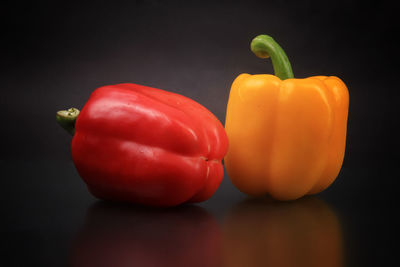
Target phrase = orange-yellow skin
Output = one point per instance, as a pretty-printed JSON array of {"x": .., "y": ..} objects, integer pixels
[{"x": 286, "y": 138}]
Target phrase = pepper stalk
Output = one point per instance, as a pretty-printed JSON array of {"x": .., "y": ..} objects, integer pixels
[
  {"x": 264, "y": 46},
  {"x": 67, "y": 118}
]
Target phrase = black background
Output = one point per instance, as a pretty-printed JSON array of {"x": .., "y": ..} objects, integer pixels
[{"x": 56, "y": 53}]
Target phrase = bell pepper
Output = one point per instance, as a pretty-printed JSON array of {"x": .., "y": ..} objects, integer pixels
[
  {"x": 138, "y": 144},
  {"x": 286, "y": 136}
]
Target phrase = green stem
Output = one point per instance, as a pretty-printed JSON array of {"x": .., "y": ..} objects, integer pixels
[
  {"x": 67, "y": 118},
  {"x": 264, "y": 47}
]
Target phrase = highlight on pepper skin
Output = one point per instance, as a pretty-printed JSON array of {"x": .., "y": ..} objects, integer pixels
[
  {"x": 118, "y": 236},
  {"x": 138, "y": 144},
  {"x": 287, "y": 136},
  {"x": 263, "y": 232}
]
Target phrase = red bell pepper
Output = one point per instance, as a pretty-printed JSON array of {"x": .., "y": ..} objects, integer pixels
[{"x": 138, "y": 144}]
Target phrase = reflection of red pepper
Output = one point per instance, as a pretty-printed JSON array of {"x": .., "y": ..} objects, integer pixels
[
  {"x": 139, "y": 144},
  {"x": 117, "y": 236}
]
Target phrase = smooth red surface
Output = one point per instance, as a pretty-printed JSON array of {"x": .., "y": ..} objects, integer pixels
[{"x": 138, "y": 144}]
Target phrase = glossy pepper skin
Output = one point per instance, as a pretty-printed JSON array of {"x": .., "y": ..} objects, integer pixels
[
  {"x": 287, "y": 136},
  {"x": 138, "y": 144}
]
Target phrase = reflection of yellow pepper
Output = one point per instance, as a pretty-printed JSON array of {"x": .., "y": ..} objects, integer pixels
[
  {"x": 260, "y": 232},
  {"x": 287, "y": 136}
]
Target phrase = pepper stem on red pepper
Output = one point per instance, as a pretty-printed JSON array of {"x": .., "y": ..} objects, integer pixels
[
  {"x": 67, "y": 118},
  {"x": 264, "y": 46}
]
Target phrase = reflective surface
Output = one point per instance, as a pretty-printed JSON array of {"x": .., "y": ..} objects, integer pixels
[
  {"x": 263, "y": 232},
  {"x": 50, "y": 219},
  {"x": 119, "y": 235}
]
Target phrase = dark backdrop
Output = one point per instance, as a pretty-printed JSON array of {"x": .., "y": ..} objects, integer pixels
[{"x": 56, "y": 53}]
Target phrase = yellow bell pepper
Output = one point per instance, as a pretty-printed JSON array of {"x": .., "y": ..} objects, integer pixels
[{"x": 286, "y": 136}]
